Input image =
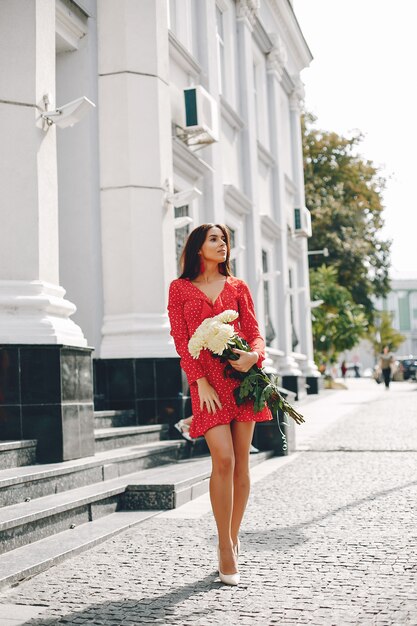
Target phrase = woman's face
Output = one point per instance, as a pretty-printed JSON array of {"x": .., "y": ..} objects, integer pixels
[{"x": 214, "y": 247}]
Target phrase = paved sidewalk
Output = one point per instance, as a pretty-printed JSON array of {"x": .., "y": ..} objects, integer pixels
[{"x": 329, "y": 537}]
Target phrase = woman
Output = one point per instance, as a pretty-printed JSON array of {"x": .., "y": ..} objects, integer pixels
[
  {"x": 204, "y": 289},
  {"x": 386, "y": 362}
]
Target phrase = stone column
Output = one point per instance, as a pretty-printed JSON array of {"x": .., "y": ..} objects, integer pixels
[
  {"x": 275, "y": 65},
  {"x": 45, "y": 393},
  {"x": 139, "y": 367},
  {"x": 310, "y": 370},
  {"x": 135, "y": 167},
  {"x": 245, "y": 13},
  {"x": 212, "y": 200}
]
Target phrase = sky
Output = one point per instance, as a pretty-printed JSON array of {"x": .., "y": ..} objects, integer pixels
[{"x": 364, "y": 76}]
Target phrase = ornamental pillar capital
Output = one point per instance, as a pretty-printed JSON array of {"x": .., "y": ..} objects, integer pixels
[
  {"x": 277, "y": 56},
  {"x": 297, "y": 95},
  {"x": 247, "y": 10}
]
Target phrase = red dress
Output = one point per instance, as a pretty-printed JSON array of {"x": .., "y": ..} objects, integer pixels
[{"x": 188, "y": 306}]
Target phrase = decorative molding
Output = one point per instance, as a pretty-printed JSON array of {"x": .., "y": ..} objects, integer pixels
[
  {"x": 277, "y": 56},
  {"x": 179, "y": 53},
  {"x": 247, "y": 10},
  {"x": 290, "y": 187},
  {"x": 293, "y": 246},
  {"x": 287, "y": 83},
  {"x": 288, "y": 24},
  {"x": 230, "y": 116},
  {"x": 236, "y": 201},
  {"x": 261, "y": 37},
  {"x": 297, "y": 95},
  {"x": 265, "y": 155},
  {"x": 138, "y": 335},
  {"x": 187, "y": 162},
  {"x": 71, "y": 25},
  {"x": 269, "y": 227},
  {"x": 35, "y": 312}
]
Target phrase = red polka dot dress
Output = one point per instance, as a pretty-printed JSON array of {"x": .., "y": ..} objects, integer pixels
[{"x": 188, "y": 306}]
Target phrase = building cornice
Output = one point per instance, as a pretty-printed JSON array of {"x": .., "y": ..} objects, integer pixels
[
  {"x": 182, "y": 56},
  {"x": 187, "y": 161},
  {"x": 236, "y": 201},
  {"x": 264, "y": 155},
  {"x": 71, "y": 25},
  {"x": 231, "y": 116},
  {"x": 269, "y": 227},
  {"x": 298, "y": 47}
]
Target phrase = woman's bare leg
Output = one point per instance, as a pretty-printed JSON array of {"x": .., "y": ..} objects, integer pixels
[
  {"x": 242, "y": 433},
  {"x": 219, "y": 441}
]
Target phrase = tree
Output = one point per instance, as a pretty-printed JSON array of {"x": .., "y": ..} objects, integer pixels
[
  {"x": 381, "y": 333},
  {"x": 344, "y": 195},
  {"x": 338, "y": 323}
]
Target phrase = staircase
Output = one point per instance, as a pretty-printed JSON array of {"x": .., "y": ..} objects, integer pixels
[{"x": 49, "y": 512}]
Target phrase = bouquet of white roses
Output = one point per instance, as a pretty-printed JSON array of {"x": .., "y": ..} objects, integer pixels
[{"x": 217, "y": 335}]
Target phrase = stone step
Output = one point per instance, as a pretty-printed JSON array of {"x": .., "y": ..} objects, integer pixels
[
  {"x": 171, "y": 486},
  {"x": 35, "y": 481},
  {"x": 29, "y": 560},
  {"x": 158, "y": 488},
  {"x": 108, "y": 419},
  {"x": 119, "y": 437},
  {"x": 17, "y": 453}
]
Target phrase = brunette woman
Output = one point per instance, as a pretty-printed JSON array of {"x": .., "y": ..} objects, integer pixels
[{"x": 204, "y": 289}]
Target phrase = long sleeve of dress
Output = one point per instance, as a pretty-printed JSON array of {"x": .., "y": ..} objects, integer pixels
[
  {"x": 249, "y": 323},
  {"x": 179, "y": 333}
]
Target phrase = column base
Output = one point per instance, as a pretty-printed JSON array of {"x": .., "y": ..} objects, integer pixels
[
  {"x": 297, "y": 384},
  {"x": 315, "y": 384},
  {"x": 155, "y": 388},
  {"x": 46, "y": 393},
  {"x": 35, "y": 312},
  {"x": 136, "y": 335}
]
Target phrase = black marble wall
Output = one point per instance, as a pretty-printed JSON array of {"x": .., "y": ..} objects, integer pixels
[
  {"x": 46, "y": 393},
  {"x": 155, "y": 388}
]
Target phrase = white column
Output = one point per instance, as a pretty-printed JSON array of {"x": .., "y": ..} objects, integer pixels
[
  {"x": 306, "y": 335},
  {"x": 32, "y": 305},
  {"x": 276, "y": 61},
  {"x": 245, "y": 11},
  {"x": 135, "y": 164},
  {"x": 213, "y": 201}
]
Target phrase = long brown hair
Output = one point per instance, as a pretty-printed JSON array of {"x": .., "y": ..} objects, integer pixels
[{"x": 190, "y": 259}]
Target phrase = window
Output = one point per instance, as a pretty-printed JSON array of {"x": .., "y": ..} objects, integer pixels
[
  {"x": 181, "y": 235},
  {"x": 232, "y": 235},
  {"x": 256, "y": 97},
  {"x": 294, "y": 338},
  {"x": 220, "y": 50},
  {"x": 269, "y": 329}
]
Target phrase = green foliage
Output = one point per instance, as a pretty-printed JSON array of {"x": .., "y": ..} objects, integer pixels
[
  {"x": 344, "y": 195},
  {"x": 338, "y": 323},
  {"x": 381, "y": 333}
]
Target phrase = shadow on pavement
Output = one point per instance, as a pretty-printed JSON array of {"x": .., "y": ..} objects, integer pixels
[
  {"x": 292, "y": 535},
  {"x": 152, "y": 609}
]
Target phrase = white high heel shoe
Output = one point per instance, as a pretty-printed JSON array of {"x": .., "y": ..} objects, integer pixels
[{"x": 227, "y": 579}]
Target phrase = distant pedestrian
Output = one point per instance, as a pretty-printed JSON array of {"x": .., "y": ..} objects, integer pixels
[
  {"x": 386, "y": 361},
  {"x": 343, "y": 369}
]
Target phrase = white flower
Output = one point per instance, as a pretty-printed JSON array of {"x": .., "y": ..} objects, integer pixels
[
  {"x": 219, "y": 337},
  {"x": 227, "y": 316},
  {"x": 214, "y": 333}
]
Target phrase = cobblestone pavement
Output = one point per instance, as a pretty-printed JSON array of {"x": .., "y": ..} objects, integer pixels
[{"x": 329, "y": 538}]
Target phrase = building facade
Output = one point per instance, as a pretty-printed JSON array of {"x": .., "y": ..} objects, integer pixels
[{"x": 94, "y": 216}]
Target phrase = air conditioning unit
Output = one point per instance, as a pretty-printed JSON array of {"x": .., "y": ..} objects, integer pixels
[
  {"x": 201, "y": 117},
  {"x": 302, "y": 222}
]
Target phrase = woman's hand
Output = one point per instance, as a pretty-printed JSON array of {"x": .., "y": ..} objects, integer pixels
[
  {"x": 245, "y": 360},
  {"x": 208, "y": 396}
]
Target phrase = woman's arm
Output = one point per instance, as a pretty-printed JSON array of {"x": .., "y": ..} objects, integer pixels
[{"x": 179, "y": 333}]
